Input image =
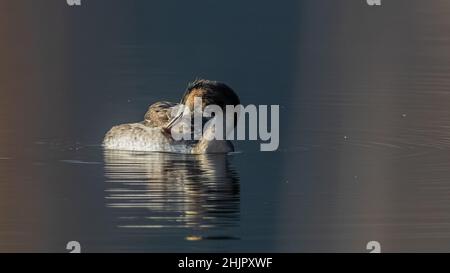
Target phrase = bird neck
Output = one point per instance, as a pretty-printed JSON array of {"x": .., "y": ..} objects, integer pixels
[{"x": 208, "y": 143}]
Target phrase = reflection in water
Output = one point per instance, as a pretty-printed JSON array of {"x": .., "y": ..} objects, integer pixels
[{"x": 162, "y": 190}]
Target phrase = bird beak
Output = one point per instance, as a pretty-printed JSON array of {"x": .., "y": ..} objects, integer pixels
[{"x": 168, "y": 127}]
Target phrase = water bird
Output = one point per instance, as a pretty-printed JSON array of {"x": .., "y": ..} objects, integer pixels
[{"x": 153, "y": 134}]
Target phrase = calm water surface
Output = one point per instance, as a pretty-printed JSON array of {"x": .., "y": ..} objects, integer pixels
[{"x": 365, "y": 126}]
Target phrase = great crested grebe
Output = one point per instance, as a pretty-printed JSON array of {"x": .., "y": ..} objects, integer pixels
[{"x": 153, "y": 134}]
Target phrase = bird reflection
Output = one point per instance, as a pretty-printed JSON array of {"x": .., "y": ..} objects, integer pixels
[{"x": 163, "y": 190}]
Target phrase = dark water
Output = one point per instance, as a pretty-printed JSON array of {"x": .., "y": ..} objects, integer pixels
[{"x": 364, "y": 155}]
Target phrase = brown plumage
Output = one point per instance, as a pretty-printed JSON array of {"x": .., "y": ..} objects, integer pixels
[
  {"x": 211, "y": 92},
  {"x": 159, "y": 114}
]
